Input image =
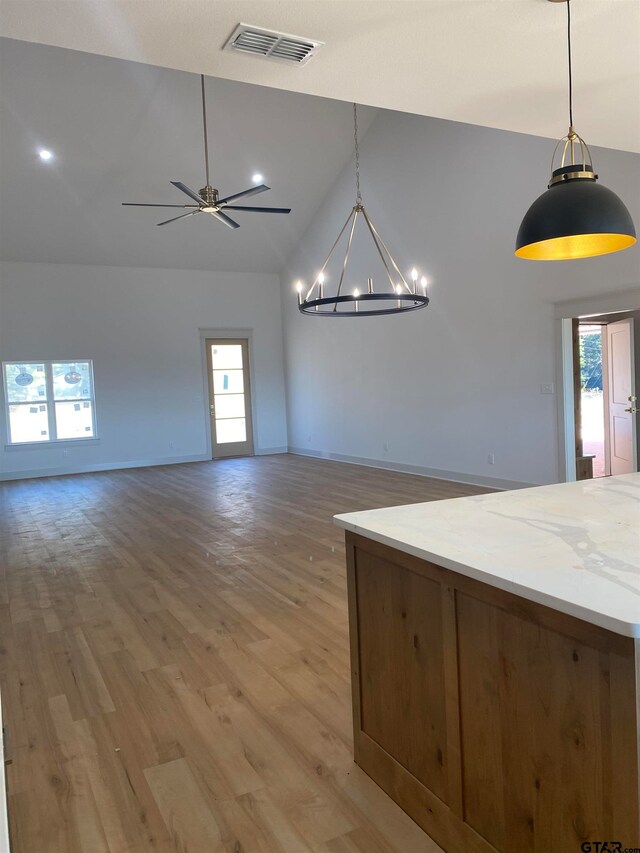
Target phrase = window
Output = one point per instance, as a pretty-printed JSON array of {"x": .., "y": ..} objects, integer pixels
[{"x": 49, "y": 401}]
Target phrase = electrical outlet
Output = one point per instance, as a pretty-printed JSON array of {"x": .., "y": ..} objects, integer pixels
[
  {"x": 546, "y": 388},
  {"x": 491, "y": 459}
]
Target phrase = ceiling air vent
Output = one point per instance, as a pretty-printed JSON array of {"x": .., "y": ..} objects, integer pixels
[{"x": 282, "y": 47}]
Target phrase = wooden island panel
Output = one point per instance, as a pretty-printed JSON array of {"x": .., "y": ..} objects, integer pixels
[
  {"x": 402, "y": 665},
  {"x": 498, "y": 724}
]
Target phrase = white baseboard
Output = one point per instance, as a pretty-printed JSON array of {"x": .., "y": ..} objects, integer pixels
[
  {"x": 101, "y": 466},
  {"x": 436, "y": 473},
  {"x": 420, "y": 470},
  {"x": 33, "y": 473}
]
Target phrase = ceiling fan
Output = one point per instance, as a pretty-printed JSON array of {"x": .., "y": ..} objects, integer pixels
[{"x": 207, "y": 200}]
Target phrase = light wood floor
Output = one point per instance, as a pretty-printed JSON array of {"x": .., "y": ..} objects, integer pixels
[{"x": 174, "y": 660}]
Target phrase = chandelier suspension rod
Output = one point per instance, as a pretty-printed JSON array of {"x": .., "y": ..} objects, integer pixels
[
  {"x": 357, "y": 147},
  {"x": 346, "y": 254},
  {"x": 204, "y": 123},
  {"x": 324, "y": 266},
  {"x": 377, "y": 245},
  {"x": 377, "y": 237}
]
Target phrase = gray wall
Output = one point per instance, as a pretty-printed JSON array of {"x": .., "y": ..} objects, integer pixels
[
  {"x": 141, "y": 328},
  {"x": 446, "y": 386}
]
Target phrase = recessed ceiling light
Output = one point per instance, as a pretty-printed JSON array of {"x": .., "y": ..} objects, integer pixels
[
  {"x": 45, "y": 155},
  {"x": 257, "y": 178}
]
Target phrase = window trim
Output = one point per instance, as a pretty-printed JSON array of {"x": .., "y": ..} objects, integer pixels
[{"x": 50, "y": 403}]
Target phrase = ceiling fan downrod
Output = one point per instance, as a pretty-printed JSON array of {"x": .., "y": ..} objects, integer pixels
[{"x": 208, "y": 193}]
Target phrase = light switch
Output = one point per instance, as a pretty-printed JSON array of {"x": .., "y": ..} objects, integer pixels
[{"x": 546, "y": 388}]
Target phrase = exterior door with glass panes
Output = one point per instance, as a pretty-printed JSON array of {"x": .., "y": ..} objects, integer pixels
[{"x": 229, "y": 397}]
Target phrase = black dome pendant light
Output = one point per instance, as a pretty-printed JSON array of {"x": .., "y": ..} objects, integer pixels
[{"x": 576, "y": 217}]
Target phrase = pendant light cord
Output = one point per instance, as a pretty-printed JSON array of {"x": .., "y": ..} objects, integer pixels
[
  {"x": 204, "y": 124},
  {"x": 355, "y": 137},
  {"x": 569, "y": 55}
]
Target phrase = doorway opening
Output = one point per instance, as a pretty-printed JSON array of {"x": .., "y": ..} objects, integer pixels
[
  {"x": 605, "y": 356},
  {"x": 592, "y": 405}
]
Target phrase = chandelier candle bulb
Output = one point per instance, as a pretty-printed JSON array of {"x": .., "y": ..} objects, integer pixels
[
  {"x": 423, "y": 282},
  {"x": 356, "y": 293}
]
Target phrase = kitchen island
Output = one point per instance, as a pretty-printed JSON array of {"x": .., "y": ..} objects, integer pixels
[{"x": 495, "y": 664}]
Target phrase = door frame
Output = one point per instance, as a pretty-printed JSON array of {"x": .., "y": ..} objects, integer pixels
[
  {"x": 230, "y": 334},
  {"x": 613, "y": 303}
]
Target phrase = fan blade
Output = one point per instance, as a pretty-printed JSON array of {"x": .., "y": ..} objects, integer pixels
[
  {"x": 182, "y": 216},
  {"x": 226, "y": 219},
  {"x": 185, "y": 189},
  {"x": 137, "y": 204},
  {"x": 260, "y": 209},
  {"x": 259, "y": 189}
]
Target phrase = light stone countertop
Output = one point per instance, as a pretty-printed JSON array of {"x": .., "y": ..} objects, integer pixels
[{"x": 574, "y": 547}]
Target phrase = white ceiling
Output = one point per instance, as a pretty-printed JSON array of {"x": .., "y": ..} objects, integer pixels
[
  {"x": 121, "y": 131},
  {"x": 498, "y": 63}
]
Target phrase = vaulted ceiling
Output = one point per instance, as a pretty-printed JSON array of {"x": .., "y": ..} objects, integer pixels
[
  {"x": 120, "y": 131},
  {"x": 498, "y": 63},
  {"x": 111, "y": 87}
]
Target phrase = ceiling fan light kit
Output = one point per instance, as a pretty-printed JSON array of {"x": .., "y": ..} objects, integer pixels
[
  {"x": 208, "y": 200},
  {"x": 576, "y": 217},
  {"x": 401, "y": 297}
]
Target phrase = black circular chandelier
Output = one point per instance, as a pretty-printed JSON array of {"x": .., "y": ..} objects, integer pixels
[
  {"x": 575, "y": 217},
  {"x": 363, "y": 301}
]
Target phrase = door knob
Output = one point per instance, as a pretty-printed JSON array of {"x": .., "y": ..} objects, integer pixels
[
  {"x": 632, "y": 399},
  {"x": 632, "y": 410}
]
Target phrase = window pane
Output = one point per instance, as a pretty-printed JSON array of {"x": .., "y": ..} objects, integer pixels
[
  {"x": 231, "y": 430},
  {"x": 74, "y": 420},
  {"x": 226, "y": 356},
  {"x": 25, "y": 382},
  {"x": 228, "y": 382},
  {"x": 71, "y": 380},
  {"x": 28, "y": 422},
  {"x": 230, "y": 406}
]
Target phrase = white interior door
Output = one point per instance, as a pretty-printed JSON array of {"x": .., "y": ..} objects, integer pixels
[
  {"x": 229, "y": 397},
  {"x": 621, "y": 388}
]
